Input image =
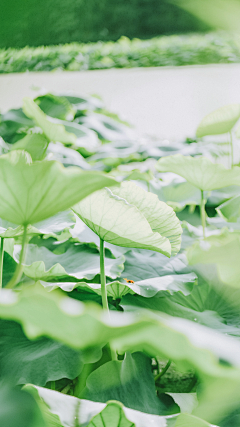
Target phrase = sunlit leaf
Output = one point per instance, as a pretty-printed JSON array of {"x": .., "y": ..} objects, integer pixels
[
  {"x": 31, "y": 192},
  {"x": 56, "y": 106},
  {"x": 230, "y": 210},
  {"x": 132, "y": 217},
  {"x": 200, "y": 171},
  {"x": 219, "y": 121},
  {"x": 222, "y": 250}
]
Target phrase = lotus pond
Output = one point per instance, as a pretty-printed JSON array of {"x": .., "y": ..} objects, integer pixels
[{"x": 119, "y": 270}]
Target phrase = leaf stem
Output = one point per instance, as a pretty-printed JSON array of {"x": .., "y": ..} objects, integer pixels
[
  {"x": 1, "y": 260},
  {"x": 82, "y": 379},
  {"x": 163, "y": 371},
  {"x": 18, "y": 272},
  {"x": 203, "y": 213},
  {"x": 103, "y": 277},
  {"x": 231, "y": 150}
]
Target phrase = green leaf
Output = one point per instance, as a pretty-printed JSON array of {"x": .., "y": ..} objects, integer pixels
[
  {"x": 222, "y": 250},
  {"x": 31, "y": 192},
  {"x": 132, "y": 217},
  {"x": 157, "y": 286},
  {"x": 129, "y": 381},
  {"x": 19, "y": 406},
  {"x": 219, "y": 121},
  {"x": 185, "y": 420},
  {"x": 79, "y": 262},
  {"x": 53, "y": 131},
  {"x": 37, "y": 362},
  {"x": 186, "y": 343},
  {"x": 143, "y": 265},
  {"x": 111, "y": 416},
  {"x": 35, "y": 144},
  {"x": 230, "y": 210},
  {"x": 176, "y": 194},
  {"x": 200, "y": 171},
  {"x": 69, "y": 408},
  {"x": 56, "y": 106}
]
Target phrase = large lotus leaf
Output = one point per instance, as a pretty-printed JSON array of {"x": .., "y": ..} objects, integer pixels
[
  {"x": 222, "y": 250},
  {"x": 32, "y": 192},
  {"x": 83, "y": 234},
  {"x": 157, "y": 286},
  {"x": 85, "y": 325},
  {"x": 35, "y": 144},
  {"x": 132, "y": 218},
  {"x": 219, "y": 121},
  {"x": 230, "y": 210},
  {"x": 216, "y": 197},
  {"x": 176, "y": 194},
  {"x": 129, "y": 381},
  {"x": 37, "y": 362},
  {"x": 111, "y": 416},
  {"x": 216, "y": 308},
  {"x": 67, "y": 408},
  {"x": 79, "y": 262},
  {"x": 53, "y": 131},
  {"x": 200, "y": 171},
  {"x": 56, "y": 106},
  {"x": 160, "y": 216},
  {"x": 53, "y": 226},
  {"x": 185, "y": 420},
  {"x": 19, "y": 408},
  {"x": 143, "y": 265}
]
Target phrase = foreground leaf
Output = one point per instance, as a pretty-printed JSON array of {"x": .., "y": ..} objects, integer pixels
[
  {"x": 129, "y": 381},
  {"x": 222, "y": 250},
  {"x": 68, "y": 408},
  {"x": 219, "y": 121},
  {"x": 200, "y": 171},
  {"x": 19, "y": 407},
  {"x": 131, "y": 217},
  {"x": 32, "y": 192}
]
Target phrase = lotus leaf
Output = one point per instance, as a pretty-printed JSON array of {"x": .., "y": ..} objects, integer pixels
[
  {"x": 31, "y": 192},
  {"x": 132, "y": 217},
  {"x": 200, "y": 171},
  {"x": 219, "y": 121}
]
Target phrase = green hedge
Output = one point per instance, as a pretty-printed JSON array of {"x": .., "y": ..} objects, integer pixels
[
  {"x": 171, "y": 50},
  {"x": 48, "y": 22}
]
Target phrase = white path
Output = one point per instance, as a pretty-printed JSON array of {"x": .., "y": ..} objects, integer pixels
[{"x": 167, "y": 102}]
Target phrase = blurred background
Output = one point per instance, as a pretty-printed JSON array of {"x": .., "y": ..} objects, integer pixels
[{"x": 45, "y": 22}]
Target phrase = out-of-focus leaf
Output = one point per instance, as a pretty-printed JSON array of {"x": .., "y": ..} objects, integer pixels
[
  {"x": 200, "y": 171},
  {"x": 129, "y": 381},
  {"x": 35, "y": 144},
  {"x": 111, "y": 416},
  {"x": 24, "y": 361},
  {"x": 53, "y": 131},
  {"x": 19, "y": 407},
  {"x": 222, "y": 250},
  {"x": 31, "y": 192},
  {"x": 55, "y": 106},
  {"x": 219, "y": 121},
  {"x": 230, "y": 210}
]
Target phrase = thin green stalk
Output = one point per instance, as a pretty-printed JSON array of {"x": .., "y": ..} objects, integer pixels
[
  {"x": 103, "y": 277},
  {"x": 163, "y": 371},
  {"x": 231, "y": 150},
  {"x": 1, "y": 260},
  {"x": 18, "y": 272},
  {"x": 203, "y": 213},
  {"x": 148, "y": 186},
  {"x": 82, "y": 379}
]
